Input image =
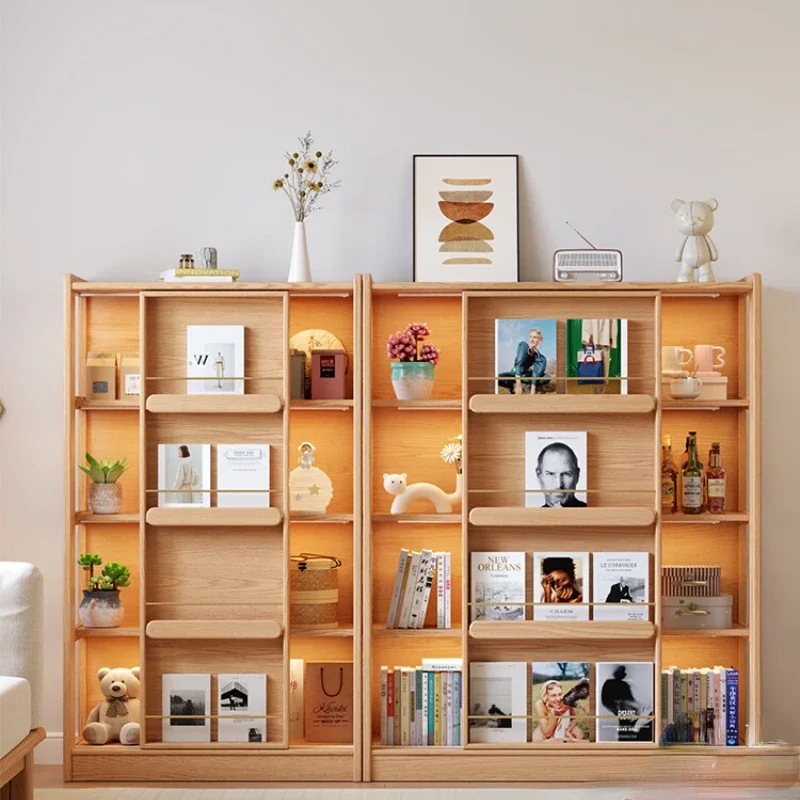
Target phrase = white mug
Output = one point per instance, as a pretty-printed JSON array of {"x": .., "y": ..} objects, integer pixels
[
  {"x": 685, "y": 388},
  {"x": 672, "y": 358},
  {"x": 704, "y": 357}
]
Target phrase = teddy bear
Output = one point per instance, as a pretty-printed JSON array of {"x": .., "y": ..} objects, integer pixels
[
  {"x": 396, "y": 484},
  {"x": 117, "y": 717},
  {"x": 695, "y": 220}
]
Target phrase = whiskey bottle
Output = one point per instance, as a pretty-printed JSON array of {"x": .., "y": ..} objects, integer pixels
[
  {"x": 669, "y": 479},
  {"x": 692, "y": 491},
  {"x": 715, "y": 482}
]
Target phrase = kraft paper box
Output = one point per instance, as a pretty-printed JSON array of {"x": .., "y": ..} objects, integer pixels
[
  {"x": 328, "y": 702},
  {"x": 101, "y": 376},
  {"x": 129, "y": 375}
]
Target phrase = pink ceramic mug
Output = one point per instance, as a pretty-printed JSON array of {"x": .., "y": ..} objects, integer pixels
[{"x": 704, "y": 357}]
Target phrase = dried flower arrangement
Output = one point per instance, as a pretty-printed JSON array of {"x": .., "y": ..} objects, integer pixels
[
  {"x": 308, "y": 177},
  {"x": 407, "y": 345}
]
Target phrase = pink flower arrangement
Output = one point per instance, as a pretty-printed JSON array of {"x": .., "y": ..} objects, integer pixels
[{"x": 407, "y": 345}]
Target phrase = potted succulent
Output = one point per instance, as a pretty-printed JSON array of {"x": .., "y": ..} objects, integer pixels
[
  {"x": 413, "y": 362},
  {"x": 101, "y": 606},
  {"x": 105, "y": 494}
]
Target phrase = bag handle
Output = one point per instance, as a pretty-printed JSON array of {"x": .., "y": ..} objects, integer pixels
[
  {"x": 322, "y": 682},
  {"x": 303, "y": 559}
]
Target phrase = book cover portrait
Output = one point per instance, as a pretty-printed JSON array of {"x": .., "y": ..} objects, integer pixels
[
  {"x": 525, "y": 356},
  {"x": 560, "y": 699},
  {"x": 555, "y": 469}
]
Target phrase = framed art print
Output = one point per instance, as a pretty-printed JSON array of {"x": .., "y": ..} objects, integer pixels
[{"x": 466, "y": 219}]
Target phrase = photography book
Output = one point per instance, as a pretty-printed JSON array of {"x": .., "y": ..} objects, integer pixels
[
  {"x": 184, "y": 475},
  {"x": 498, "y": 578},
  {"x": 618, "y": 581},
  {"x": 245, "y": 468},
  {"x": 555, "y": 469},
  {"x": 498, "y": 690},
  {"x": 624, "y": 701},
  {"x": 560, "y": 585},
  {"x": 525, "y": 356},
  {"x": 215, "y": 359},
  {"x": 560, "y": 701},
  {"x": 186, "y": 707},
  {"x": 242, "y": 708},
  {"x": 597, "y": 356}
]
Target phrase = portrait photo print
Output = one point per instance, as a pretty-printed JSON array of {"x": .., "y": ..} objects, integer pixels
[
  {"x": 525, "y": 356},
  {"x": 184, "y": 475},
  {"x": 215, "y": 354},
  {"x": 186, "y": 706},
  {"x": 555, "y": 469}
]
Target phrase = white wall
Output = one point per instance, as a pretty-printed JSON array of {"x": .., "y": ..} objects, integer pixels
[{"x": 134, "y": 131}]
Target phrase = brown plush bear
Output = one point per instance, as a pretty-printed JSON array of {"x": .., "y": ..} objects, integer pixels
[{"x": 117, "y": 717}]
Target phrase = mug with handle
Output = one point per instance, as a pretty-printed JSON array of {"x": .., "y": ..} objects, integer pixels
[
  {"x": 704, "y": 355},
  {"x": 672, "y": 358}
]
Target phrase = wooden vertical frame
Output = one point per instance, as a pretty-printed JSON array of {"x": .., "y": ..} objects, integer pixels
[
  {"x": 285, "y": 390},
  {"x": 143, "y": 607},
  {"x": 466, "y": 505},
  {"x": 657, "y": 609}
]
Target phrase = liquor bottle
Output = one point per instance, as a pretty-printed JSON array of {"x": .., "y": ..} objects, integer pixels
[
  {"x": 715, "y": 482},
  {"x": 692, "y": 491},
  {"x": 669, "y": 479}
]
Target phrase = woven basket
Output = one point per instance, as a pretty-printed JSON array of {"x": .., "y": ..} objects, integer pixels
[{"x": 313, "y": 591}]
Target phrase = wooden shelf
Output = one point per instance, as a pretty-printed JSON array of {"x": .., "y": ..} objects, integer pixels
[
  {"x": 104, "y": 633},
  {"x": 562, "y": 404},
  {"x": 321, "y": 405},
  {"x": 566, "y": 630},
  {"x": 213, "y": 629},
  {"x": 332, "y": 519},
  {"x": 425, "y": 519},
  {"x": 87, "y": 518},
  {"x": 214, "y": 517},
  {"x": 325, "y": 633},
  {"x": 214, "y": 404},
  {"x": 741, "y": 631},
  {"x": 514, "y": 517},
  {"x": 419, "y": 405},
  {"x": 707, "y": 519},
  {"x": 670, "y": 404},
  {"x": 122, "y": 404},
  {"x": 437, "y": 633}
]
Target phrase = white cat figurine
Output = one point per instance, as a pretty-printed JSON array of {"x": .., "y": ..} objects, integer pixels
[
  {"x": 406, "y": 494},
  {"x": 695, "y": 220}
]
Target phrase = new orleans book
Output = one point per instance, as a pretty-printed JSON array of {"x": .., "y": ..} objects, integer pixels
[
  {"x": 499, "y": 579},
  {"x": 619, "y": 580}
]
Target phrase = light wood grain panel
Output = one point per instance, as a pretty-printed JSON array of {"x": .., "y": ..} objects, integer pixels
[
  {"x": 103, "y": 652},
  {"x": 620, "y": 458},
  {"x": 528, "y": 540},
  {"x": 336, "y": 540},
  {"x": 529, "y": 630},
  {"x": 561, "y": 404},
  {"x": 264, "y": 341},
  {"x": 214, "y": 404},
  {"x": 112, "y": 435},
  {"x": 714, "y": 320},
  {"x": 387, "y": 542},
  {"x": 568, "y": 649},
  {"x": 118, "y": 543},
  {"x": 213, "y": 517},
  {"x": 192, "y": 565},
  {"x": 411, "y": 443},
  {"x": 443, "y": 315},
  {"x": 512, "y": 517},
  {"x": 215, "y": 657},
  {"x": 722, "y": 426},
  {"x": 332, "y": 435},
  {"x": 215, "y": 630},
  {"x": 324, "y": 648},
  {"x": 112, "y": 324}
]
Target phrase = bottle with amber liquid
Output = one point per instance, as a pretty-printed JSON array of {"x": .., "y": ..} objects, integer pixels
[
  {"x": 715, "y": 482},
  {"x": 692, "y": 480},
  {"x": 669, "y": 479}
]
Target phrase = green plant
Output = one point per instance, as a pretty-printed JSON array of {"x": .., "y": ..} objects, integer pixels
[
  {"x": 104, "y": 471},
  {"x": 114, "y": 575}
]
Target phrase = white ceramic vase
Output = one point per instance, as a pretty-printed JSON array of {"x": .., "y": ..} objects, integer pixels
[{"x": 299, "y": 269}]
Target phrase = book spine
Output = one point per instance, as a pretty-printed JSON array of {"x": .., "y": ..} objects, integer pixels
[
  {"x": 390, "y": 707},
  {"x": 419, "y": 589},
  {"x": 391, "y": 621},
  {"x": 429, "y": 677},
  {"x": 447, "y": 737},
  {"x": 398, "y": 709},
  {"x": 717, "y": 704},
  {"x": 732, "y": 708},
  {"x": 665, "y": 675},
  {"x": 183, "y": 272},
  {"x": 404, "y": 708},
  {"x": 423, "y": 733},
  {"x": 437, "y": 704},
  {"x": 448, "y": 592},
  {"x": 384, "y": 709},
  {"x": 684, "y": 683},
  {"x": 440, "y": 590},
  {"x": 697, "y": 707},
  {"x": 676, "y": 692},
  {"x": 409, "y": 592},
  {"x": 426, "y": 599},
  {"x": 412, "y": 708},
  {"x": 457, "y": 677}
]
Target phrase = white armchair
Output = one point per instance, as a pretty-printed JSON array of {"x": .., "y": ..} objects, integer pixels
[{"x": 21, "y": 675}]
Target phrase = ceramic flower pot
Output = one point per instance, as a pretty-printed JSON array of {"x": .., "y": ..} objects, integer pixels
[
  {"x": 105, "y": 498},
  {"x": 101, "y": 609},
  {"x": 412, "y": 380}
]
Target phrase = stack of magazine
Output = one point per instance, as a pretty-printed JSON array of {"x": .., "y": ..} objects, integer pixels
[{"x": 417, "y": 573}]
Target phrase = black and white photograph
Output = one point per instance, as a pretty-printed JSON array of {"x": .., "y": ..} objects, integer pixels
[
  {"x": 186, "y": 704},
  {"x": 215, "y": 354},
  {"x": 555, "y": 469},
  {"x": 498, "y": 690},
  {"x": 184, "y": 475},
  {"x": 242, "y": 703},
  {"x": 620, "y": 584},
  {"x": 624, "y": 701}
]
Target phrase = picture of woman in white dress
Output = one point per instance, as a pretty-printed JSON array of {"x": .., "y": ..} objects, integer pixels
[{"x": 186, "y": 477}]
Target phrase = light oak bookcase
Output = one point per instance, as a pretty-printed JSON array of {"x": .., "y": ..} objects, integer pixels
[
  {"x": 179, "y": 563},
  {"x": 209, "y": 587}
]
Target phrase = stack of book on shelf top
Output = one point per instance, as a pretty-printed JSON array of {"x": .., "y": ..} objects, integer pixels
[
  {"x": 198, "y": 275},
  {"x": 421, "y": 706},
  {"x": 702, "y": 703},
  {"x": 413, "y": 585}
]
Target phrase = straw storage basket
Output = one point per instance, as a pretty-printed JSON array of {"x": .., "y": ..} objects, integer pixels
[{"x": 313, "y": 591}]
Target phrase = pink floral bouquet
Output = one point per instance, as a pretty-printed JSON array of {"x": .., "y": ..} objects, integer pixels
[{"x": 407, "y": 345}]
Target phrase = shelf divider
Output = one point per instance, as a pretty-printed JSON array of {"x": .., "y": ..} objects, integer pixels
[
  {"x": 708, "y": 519},
  {"x": 514, "y": 517},
  {"x": 214, "y": 404},
  {"x": 562, "y": 404},
  {"x": 420, "y": 405},
  {"x": 418, "y": 518},
  {"x": 214, "y": 629},
  {"x": 213, "y": 517},
  {"x": 566, "y": 630},
  {"x": 87, "y": 518}
]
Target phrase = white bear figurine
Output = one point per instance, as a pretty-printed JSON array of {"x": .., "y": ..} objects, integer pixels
[
  {"x": 695, "y": 220},
  {"x": 406, "y": 494}
]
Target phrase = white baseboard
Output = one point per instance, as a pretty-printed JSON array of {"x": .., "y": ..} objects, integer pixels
[{"x": 51, "y": 750}]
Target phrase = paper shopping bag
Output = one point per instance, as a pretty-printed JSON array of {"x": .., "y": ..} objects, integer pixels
[{"x": 328, "y": 702}]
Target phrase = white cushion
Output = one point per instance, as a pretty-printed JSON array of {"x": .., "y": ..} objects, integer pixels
[
  {"x": 15, "y": 712},
  {"x": 22, "y": 630}
]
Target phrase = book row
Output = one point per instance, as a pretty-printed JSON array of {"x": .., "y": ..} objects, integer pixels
[{"x": 417, "y": 572}]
